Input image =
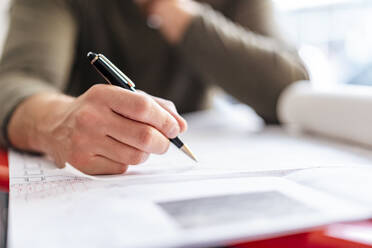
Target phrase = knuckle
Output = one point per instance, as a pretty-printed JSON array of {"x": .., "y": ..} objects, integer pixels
[
  {"x": 138, "y": 157},
  {"x": 170, "y": 104},
  {"x": 168, "y": 126},
  {"x": 95, "y": 91},
  {"x": 146, "y": 137},
  {"x": 143, "y": 106}
]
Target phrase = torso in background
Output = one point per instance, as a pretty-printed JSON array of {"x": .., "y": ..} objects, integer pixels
[{"x": 117, "y": 29}]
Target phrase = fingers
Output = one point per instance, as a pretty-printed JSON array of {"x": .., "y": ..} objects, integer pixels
[
  {"x": 142, "y": 108},
  {"x": 121, "y": 153},
  {"x": 171, "y": 108},
  {"x": 138, "y": 135},
  {"x": 100, "y": 165},
  {"x": 109, "y": 128}
]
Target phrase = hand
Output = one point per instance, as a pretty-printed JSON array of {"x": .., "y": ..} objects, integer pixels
[
  {"x": 102, "y": 131},
  {"x": 173, "y": 16}
]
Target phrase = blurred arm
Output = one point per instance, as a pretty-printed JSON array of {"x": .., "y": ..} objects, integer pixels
[
  {"x": 36, "y": 58},
  {"x": 244, "y": 55}
]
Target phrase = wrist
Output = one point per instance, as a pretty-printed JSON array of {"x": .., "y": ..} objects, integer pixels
[
  {"x": 54, "y": 110},
  {"x": 30, "y": 123}
]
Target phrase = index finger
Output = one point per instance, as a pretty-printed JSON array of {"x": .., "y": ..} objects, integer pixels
[
  {"x": 142, "y": 108},
  {"x": 169, "y": 106}
]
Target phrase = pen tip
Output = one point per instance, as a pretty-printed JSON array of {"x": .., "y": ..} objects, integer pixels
[{"x": 189, "y": 153}]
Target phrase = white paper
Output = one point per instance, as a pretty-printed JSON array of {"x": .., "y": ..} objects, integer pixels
[
  {"x": 353, "y": 184},
  {"x": 341, "y": 112},
  {"x": 53, "y": 207},
  {"x": 354, "y": 233},
  {"x": 153, "y": 215}
]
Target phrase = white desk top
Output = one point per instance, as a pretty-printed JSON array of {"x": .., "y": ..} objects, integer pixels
[{"x": 236, "y": 147}]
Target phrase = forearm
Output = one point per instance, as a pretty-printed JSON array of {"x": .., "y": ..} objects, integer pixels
[
  {"x": 255, "y": 71},
  {"x": 31, "y": 123},
  {"x": 253, "y": 67},
  {"x": 37, "y": 54},
  {"x": 15, "y": 89}
]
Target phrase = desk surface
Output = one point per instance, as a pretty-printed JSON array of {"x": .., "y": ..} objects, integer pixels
[
  {"x": 316, "y": 239},
  {"x": 322, "y": 151}
]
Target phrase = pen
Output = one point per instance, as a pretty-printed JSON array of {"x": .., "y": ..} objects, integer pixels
[{"x": 115, "y": 76}]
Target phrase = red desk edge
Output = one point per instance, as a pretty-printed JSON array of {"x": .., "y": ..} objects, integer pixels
[{"x": 4, "y": 171}]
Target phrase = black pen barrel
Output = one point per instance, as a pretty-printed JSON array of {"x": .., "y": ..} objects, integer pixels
[
  {"x": 109, "y": 74},
  {"x": 177, "y": 142}
]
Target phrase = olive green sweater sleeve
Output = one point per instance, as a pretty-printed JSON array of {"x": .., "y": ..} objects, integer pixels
[
  {"x": 37, "y": 53},
  {"x": 244, "y": 56}
]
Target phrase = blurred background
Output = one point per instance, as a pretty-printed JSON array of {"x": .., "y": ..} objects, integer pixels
[
  {"x": 334, "y": 37},
  {"x": 3, "y": 21}
]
